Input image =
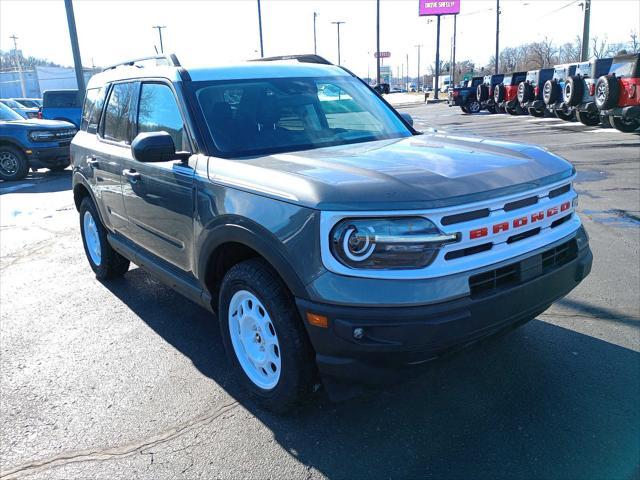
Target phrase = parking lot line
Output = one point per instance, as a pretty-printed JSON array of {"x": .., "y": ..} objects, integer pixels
[{"x": 15, "y": 188}]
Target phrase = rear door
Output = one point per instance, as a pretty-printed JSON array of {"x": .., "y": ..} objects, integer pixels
[
  {"x": 112, "y": 149},
  {"x": 159, "y": 197}
]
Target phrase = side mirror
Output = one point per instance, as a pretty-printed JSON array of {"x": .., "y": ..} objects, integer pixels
[
  {"x": 407, "y": 118},
  {"x": 156, "y": 147}
]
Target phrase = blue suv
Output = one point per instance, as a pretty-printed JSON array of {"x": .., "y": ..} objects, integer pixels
[{"x": 32, "y": 144}]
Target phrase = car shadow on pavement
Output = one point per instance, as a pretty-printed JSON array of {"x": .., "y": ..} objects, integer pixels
[
  {"x": 541, "y": 402},
  {"x": 39, "y": 182}
]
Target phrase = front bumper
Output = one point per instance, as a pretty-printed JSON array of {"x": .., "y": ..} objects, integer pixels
[
  {"x": 395, "y": 340},
  {"x": 628, "y": 113},
  {"x": 46, "y": 156}
]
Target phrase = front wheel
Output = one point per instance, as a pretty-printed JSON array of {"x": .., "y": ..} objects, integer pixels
[
  {"x": 589, "y": 119},
  {"x": 13, "y": 164},
  {"x": 103, "y": 259},
  {"x": 473, "y": 106},
  {"x": 264, "y": 337},
  {"x": 626, "y": 126}
]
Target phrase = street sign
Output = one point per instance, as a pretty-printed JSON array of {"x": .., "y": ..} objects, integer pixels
[
  {"x": 441, "y": 7},
  {"x": 385, "y": 74},
  {"x": 382, "y": 54}
]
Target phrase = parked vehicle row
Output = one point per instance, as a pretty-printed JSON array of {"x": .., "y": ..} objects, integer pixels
[{"x": 605, "y": 90}]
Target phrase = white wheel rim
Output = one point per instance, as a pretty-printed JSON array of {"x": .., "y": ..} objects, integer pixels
[
  {"x": 92, "y": 238},
  {"x": 254, "y": 339}
]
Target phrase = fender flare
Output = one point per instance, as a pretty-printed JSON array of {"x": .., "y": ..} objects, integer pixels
[
  {"x": 79, "y": 179},
  {"x": 233, "y": 229}
]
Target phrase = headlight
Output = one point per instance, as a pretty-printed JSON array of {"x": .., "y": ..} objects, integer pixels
[{"x": 387, "y": 243}]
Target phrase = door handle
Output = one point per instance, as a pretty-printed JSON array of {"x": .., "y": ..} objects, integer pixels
[
  {"x": 92, "y": 162},
  {"x": 132, "y": 175}
]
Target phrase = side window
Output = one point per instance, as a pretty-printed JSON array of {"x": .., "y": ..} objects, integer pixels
[
  {"x": 91, "y": 108},
  {"x": 158, "y": 111},
  {"x": 116, "y": 115}
]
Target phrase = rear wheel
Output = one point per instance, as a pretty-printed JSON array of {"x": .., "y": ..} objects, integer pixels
[
  {"x": 13, "y": 164},
  {"x": 623, "y": 125},
  {"x": 103, "y": 259},
  {"x": 464, "y": 108},
  {"x": 536, "y": 112},
  {"x": 589, "y": 119},
  {"x": 264, "y": 337}
]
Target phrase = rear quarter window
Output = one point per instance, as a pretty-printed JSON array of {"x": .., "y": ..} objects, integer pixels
[
  {"x": 91, "y": 109},
  {"x": 61, "y": 100}
]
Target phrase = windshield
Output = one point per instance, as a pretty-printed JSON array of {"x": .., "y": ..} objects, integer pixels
[
  {"x": 7, "y": 114},
  {"x": 27, "y": 103},
  {"x": 254, "y": 117},
  {"x": 12, "y": 103}
]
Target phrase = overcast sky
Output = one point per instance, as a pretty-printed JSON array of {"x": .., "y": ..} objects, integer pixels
[{"x": 217, "y": 31}]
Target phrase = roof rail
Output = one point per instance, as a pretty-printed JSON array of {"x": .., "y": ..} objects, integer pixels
[
  {"x": 306, "y": 58},
  {"x": 170, "y": 60}
]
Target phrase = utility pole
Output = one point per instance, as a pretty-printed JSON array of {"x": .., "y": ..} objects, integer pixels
[
  {"x": 437, "y": 87},
  {"x": 584, "y": 56},
  {"x": 160, "y": 27},
  {"x": 315, "y": 44},
  {"x": 418, "y": 82},
  {"x": 453, "y": 62},
  {"x": 18, "y": 65},
  {"x": 497, "y": 35},
  {"x": 260, "y": 29},
  {"x": 407, "y": 84},
  {"x": 377, "y": 42},
  {"x": 338, "y": 25},
  {"x": 75, "y": 48}
]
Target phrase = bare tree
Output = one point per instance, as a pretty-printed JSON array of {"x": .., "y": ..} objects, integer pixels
[
  {"x": 542, "y": 54},
  {"x": 599, "y": 47},
  {"x": 634, "y": 45}
]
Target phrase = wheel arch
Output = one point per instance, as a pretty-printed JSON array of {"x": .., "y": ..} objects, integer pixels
[{"x": 234, "y": 241}]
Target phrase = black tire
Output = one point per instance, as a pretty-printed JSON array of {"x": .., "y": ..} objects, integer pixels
[
  {"x": 550, "y": 92},
  {"x": 607, "y": 92},
  {"x": 473, "y": 106},
  {"x": 536, "y": 112},
  {"x": 604, "y": 121},
  {"x": 464, "y": 108},
  {"x": 111, "y": 264},
  {"x": 297, "y": 374},
  {"x": 626, "y": 126},
  {"x": 498, "y": 93},
  {"x": 573, "y": 90},
  {"x": 491, "y": 109},
  {"x": 563, "y": 115},
  {"x": 525, "y": 92},
  {"x": 589, "y": 119},
  {"x": 58, "y": 168},
  {"x": 13, "y": 164},
  {"x": 482, "y": 92}
]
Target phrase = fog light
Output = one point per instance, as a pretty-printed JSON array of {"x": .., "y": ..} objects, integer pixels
[{"x": 358, "y": 333}]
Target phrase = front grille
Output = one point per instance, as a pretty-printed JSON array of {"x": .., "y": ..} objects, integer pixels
[
  {"x": 465, "y": 217},
  {"x": 560, "y": 255},
  {"x": 525, "y": 202},
  {"x": 559, "y": 191},
  {"x": 500, "y": 278},
  {"x": 464, "y": 252},
  {"x": 523, "y": 235}
]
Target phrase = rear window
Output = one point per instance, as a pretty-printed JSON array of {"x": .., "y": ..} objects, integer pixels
[
  {"x": 93, "y": 102},
  {"x": 624, "y": 68},
  {"x": 602, "y": 67},
  {"x": 62, "y": 100}
]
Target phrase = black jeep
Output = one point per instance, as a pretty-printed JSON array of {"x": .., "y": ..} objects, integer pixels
[
  {"x": 530, "y": 91},
  {"x": 465, "y": 96},
  {"x": 579, "y": 90},
  {"x": 484, "y": 91},
  {"x": 552, "y": 91}
]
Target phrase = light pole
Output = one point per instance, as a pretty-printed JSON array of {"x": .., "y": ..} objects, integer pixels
[
  {"x": 418, "y": 82},
  {"x": 453, "y": 61},
  {"x": 377, "y": 42},
  {"x": 18, "y": 65},
  {"x": 315, "y": 45},
  {"x": 584, "y": 55},
  {"x": 338, "y": 25},
  {"x": 75, "y": 48},
  {"x": 160, "y": 27},
  {"x": 407, "y": 84},
  {"x": 497, "y": 35},
  {"x": 260, "y": 29}
]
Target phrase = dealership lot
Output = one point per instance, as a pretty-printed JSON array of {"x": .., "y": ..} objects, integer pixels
[{"x": 128, "y": 376}]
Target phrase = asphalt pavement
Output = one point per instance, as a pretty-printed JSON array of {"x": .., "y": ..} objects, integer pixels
[{"x": 127, "y": 379}]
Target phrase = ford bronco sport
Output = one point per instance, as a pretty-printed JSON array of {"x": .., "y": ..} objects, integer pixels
[
  {"x": 484, "y": 91},
  {"x": 530, "y": 91},
  {"x": 332, "y": 239},
  {"x": 505, "y": 94},
  {"x": 617, "y": 95},
  {"x": 579, "y": 90}
]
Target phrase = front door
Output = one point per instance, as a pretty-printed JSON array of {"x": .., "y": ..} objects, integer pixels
[{"x": 158, "y": 197}]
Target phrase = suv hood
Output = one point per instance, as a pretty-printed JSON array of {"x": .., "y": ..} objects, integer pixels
[
  {"x": 419, "y": 172},
  {"x": 36, "y": 124}
]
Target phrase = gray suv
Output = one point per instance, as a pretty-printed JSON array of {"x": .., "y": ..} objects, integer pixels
[{"x": 333, "y": 241}]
